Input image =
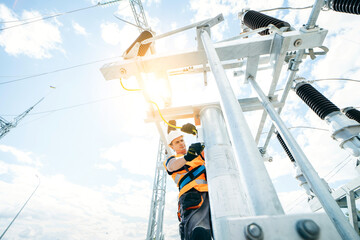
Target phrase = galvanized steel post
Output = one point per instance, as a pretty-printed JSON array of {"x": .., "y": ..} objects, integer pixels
[
  {"x": 257, "y": 183},
  {"x": 227, "y": 196}
]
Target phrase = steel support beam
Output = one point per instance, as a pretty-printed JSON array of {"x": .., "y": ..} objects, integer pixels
[
  {"x": 294, "y": 68},
  {"x": 231, "y": 50},
  {"x": 350, "y": 199},
  {"x": 191, "y": 111},
  {"x": 330, "y": 206},
  {"x": 278, "y": 53},
  {"x": 257, "y": 183}
]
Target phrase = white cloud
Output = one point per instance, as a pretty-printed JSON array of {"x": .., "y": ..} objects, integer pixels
[
  {"x": 123, "y": 11},
  {"x": 106, "y": 166},
  {"x": 79, "y": 29},
  {"x": 150, "y": 2},
  {"x": 117, "y": 211},
  {"x": 137, "y": 155},
  {"x": 35, "y": 40},
  {"x": 112, "y": 34},
  {"x": 21, "y": 156}
]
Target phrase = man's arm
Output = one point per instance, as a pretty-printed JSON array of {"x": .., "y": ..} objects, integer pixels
[
  {"x": 175, "y": 164},
  {"x": 194, "y": 151}
]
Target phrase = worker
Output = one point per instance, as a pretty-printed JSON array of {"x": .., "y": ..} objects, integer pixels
[{"x": 187, "y": 168}]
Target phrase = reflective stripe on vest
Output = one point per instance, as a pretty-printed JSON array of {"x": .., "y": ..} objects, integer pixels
[
  {"x": 192, "y": 175},
  {"x": 178, "y": 176}
]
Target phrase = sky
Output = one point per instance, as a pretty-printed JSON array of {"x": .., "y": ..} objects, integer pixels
[{"x": 87, "y": 141}]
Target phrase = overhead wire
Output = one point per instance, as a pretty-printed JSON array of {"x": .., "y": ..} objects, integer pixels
[
  {"x": 326, "y": 79},
  {"x": 285, "y": 8},
  {"x": 37, "y": 19},
  {"x": 57, "y": 70},
  {"x": 329, "y": 79},
  {"x": 344, "y": 162},
  {"x": 49, "y": 16},
  {"x": 315, "y": 128},
  {"x": 68, "y": 107}
]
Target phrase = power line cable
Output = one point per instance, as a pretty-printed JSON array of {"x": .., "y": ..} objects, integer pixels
[
  {"x": 296, "y": 202},
  {"x": 340, "y": 168},
  {"x": 68, "y": 107},
  {"x": 57, "y": 70},
  {"x": 326, "y": 79},
  {"x": 315, "y": 128},
  {"x": 36, "y": 19},
  {"x": 13, "y": 220},
  {"x": 343, "y": 161},
  {"x": 286, "y": 8},
  {"x": 321, "y": 129},
  {"x": 329, "y": 79}
]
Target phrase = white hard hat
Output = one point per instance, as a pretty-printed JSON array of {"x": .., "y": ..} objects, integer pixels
[{"x": 172, "y": 135}]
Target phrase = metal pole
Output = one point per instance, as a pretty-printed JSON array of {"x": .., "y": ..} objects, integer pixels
[
  {"x": 294, "y": 68},
  {"x": 329, "y": 204},
  {"x": 2, "y": 235},
  {"x": 314, "y": 14},
  {"x": 222, "y": 173},
  {"x": 258, "y": 186},
  {"x": 174, "y": 31}
]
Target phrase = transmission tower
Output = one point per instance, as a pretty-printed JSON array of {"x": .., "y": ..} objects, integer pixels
[
  {"x": 155, "y": 226},
  {"x": 139, "y": 14},
  {"x": 5, "y": 125}
]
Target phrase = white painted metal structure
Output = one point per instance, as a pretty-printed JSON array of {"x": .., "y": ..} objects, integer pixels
[{"x": 254, "y": 202}]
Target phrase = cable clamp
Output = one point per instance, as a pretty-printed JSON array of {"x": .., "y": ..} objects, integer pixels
[
  {"x": 313, "y": 54},
  {"x": 293, "y": 63}
]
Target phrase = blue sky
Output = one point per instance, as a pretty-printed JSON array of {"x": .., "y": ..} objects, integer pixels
[{"x": 96, "y": 161}]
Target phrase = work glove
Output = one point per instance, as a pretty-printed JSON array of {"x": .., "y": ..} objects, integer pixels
[
  {"x": 189, "y": 128},
  {"x": 194, "y": 151}
]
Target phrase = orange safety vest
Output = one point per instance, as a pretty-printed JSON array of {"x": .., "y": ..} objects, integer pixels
[{"x": 191, "y": 175}]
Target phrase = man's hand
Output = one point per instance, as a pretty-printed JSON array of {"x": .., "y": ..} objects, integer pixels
[
  {"x": 189, "y": 128},
  {"x": 195, "y": 150}
]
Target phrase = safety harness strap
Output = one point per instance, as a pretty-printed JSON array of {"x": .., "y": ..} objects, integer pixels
[{"x": 192, "y": 175}]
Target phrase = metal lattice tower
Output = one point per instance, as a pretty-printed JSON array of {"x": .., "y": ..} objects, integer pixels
[
  {"x": 155, "y": 227},
  {"x": 5, "y": 125},
  {"x": 139, "y": 14}
]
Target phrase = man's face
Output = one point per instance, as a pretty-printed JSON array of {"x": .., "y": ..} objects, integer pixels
[{"x": 178, "y": 145}]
